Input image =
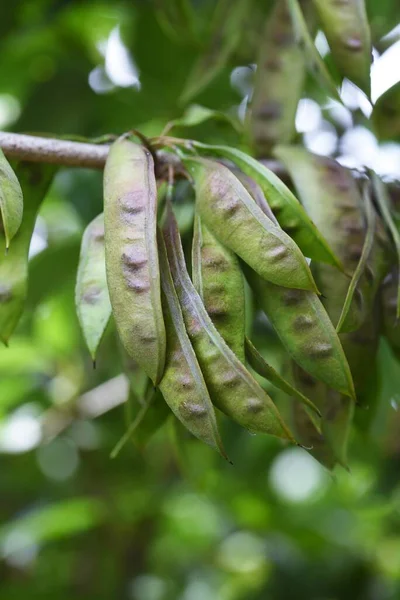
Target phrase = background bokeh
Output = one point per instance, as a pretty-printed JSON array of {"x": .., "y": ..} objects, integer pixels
[{"x": 174, "y": 522}]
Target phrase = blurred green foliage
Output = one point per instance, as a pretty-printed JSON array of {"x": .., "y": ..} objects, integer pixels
[{"x": 173, "y": 521}]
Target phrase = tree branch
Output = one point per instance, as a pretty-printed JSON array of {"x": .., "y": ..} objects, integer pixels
[{"x": 73, "y": 154}]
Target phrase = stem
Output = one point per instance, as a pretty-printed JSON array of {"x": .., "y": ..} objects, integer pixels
[{"x": 74, "y": 154}]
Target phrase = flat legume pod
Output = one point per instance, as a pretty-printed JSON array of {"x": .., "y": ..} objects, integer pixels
[
  {"x": 35, "y": 180},
  {"x": 278, "y": 85},
  {"x": 234, "y": 218},
  {"x": 232, "y": 388},
  {"x": 182, "y": 384},
  {"x": 306, "y": 332},
  {"x": 91, "y": 292},
  {"x": 346, "y": 27},
  {"x": 218, "y": 279},
  {"x": 130, "y": 213},
  {"x": 289, "y": 212},
  {"x": 11, "y": 200},
  {"x": 332, "y": 199}
]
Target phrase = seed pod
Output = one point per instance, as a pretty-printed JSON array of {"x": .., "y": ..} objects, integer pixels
[
  {"x": 130, "y": 213},
  {"x": 232, "y": 388},
  {"x": 278, "y": 85},
  {"x": 346, "y": 27},
  {"x": 91, "y": 292},
  {"x": 261, "y": 367},
  {"x": 257, "y": 194},
  {"x": 182, "y": 384},
  {"x": 226, "y": 208},
  {"x": 309, "y": 434},
  {"x": 291, "y": 215},
  {"x": 218, "y": 279},
  {"x": 11, "y": 200},
  {"x": 337, "y": 415},
  {"x": 35, "y": 180},
  {"x": 331, "y": 197},
  {"x": 306, "y": 332},
  {"x": 312, "y": 56}
]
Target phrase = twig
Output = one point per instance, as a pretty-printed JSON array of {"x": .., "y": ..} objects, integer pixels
[{"x": 74, "y": 154}]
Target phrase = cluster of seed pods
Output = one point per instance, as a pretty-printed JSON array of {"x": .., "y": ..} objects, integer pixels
[{"x": 186, "y": 333}]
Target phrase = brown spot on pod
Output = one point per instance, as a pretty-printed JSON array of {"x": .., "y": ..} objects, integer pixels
[
  {"x": 191, "y": 409},
  {"x": 133, "y": 260},
  {"x": 254, "y": 405},
  {"x": 230, "y": 379},
  {"x": 133, "y": 202},
  {"x": 98, "y": 234},
  {"x": 277, "y": 253},
  {"x": 148, "y": 338},
  {"x": 91, "y": 295},
  {"x": 137, "y": 285},
  {"x": 273, "y": 64},
  {"x": 269, "y": 110},
  {"x": 283, "y": 38},
  {"x": 292, "y": 297},
  {"x": 320, "y": 350},
  {"x": 217, "y": 312},
  {"x": 303, "y": 322},
  {"x": 231, "y": 207},
  {"x": 215, "y": 262},
  {"x": 185, "y": 381}
]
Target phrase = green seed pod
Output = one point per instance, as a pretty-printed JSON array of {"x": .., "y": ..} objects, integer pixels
[
  {"x": 311, "y": 437},
  {"x": 278, "y": 85},
  {"x": 35, "y": 180},
  {"x": 337, "y": 415},
  {"x": 345, "y": 24},
  {"x": 11, "y": 200},
  {"x": 91, "y": 292},
  {"x": 218, "y": 279},
  {"x": 232, "y": 388},
  {"x": 182, "y": 384},
  {"x": 332, "y": 199},
  {"x": 130, "y": 215},
  {"x": 226, "y": 208},
  {"x": 265, "y": 370},
  {"x": 314, "y": 61},
  {"x": 289, "y": 212},
  {"x": 306, "y": 332}
]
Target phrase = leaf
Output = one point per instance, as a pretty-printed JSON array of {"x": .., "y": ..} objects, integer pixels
[
  {"x": 195, "y": 114},
  {"x": 291, "y": 215},
  {"x": 316, "y": 64},
  {"x": 91, "y": 293},
  {"x": 366, "y": 251},
  {"x": 346, "y": 27},
  {"x": 11, "y": 200},
  {"x": 35, "y": 180},
  {"x": 383, "y": 200},
  {"x": 261, "y": 367},
  {"x": 225, "y": 36}
]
